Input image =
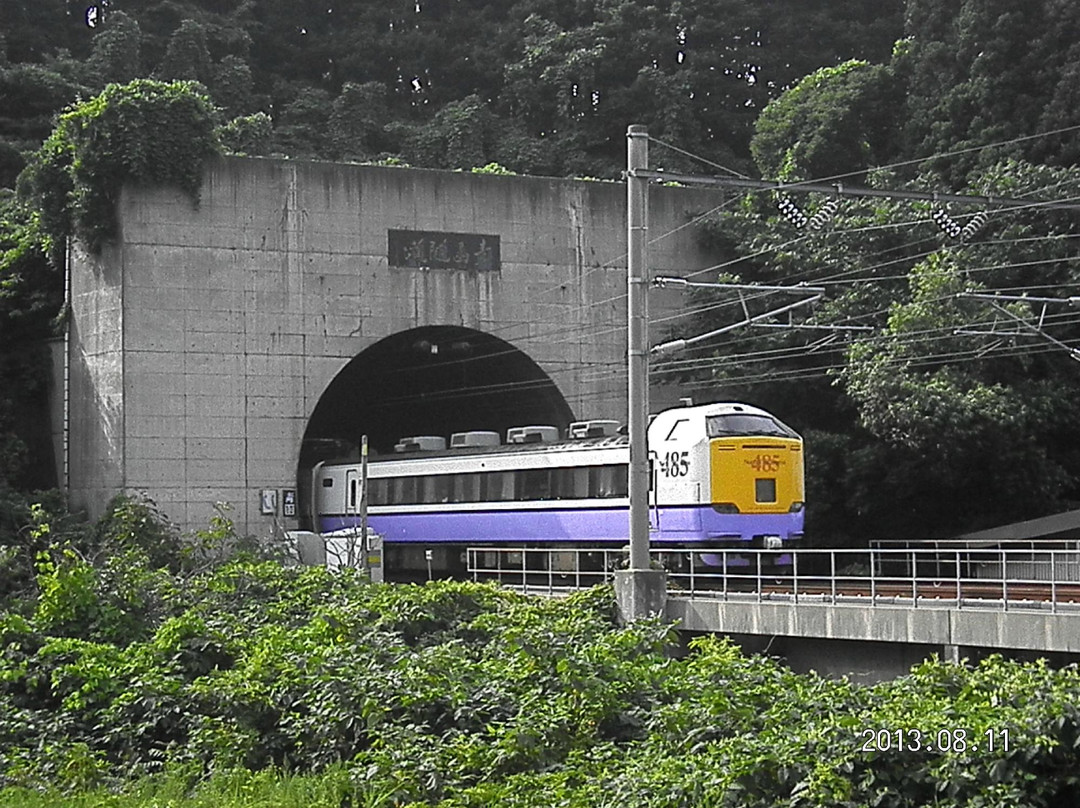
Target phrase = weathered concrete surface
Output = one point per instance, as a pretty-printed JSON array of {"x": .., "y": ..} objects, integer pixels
[
  {"x": 203, "y": 339},
  {"x": 865, "y": 631},
  {"x": 640, "y": 594}
]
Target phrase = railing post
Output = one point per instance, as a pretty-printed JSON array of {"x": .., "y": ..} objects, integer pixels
[
  {"x": 914, "y": 582},
  {"x": 832, "y": 575},
  {"x": 795, "y": 577},
  {"x": 724, "y": 572},
  {"x": 757, "y": 575},
  {"x": 873, "y": 577},
  {"x": 1053, "y": 582},
  {"x": 1004, "y": 585},
  {"x": 959, "y": 598}
]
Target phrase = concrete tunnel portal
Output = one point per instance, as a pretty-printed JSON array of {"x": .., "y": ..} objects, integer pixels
[{"x": 432, "y": 380}]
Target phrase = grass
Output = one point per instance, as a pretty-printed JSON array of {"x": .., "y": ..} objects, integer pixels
[{"x": 231, "y": 789}]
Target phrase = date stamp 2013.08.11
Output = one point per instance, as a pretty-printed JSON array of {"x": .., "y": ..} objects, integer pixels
[{"x": 944, "y": 741}]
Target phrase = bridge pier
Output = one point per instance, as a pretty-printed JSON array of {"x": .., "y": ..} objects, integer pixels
[{"x": 640, "y": 594}]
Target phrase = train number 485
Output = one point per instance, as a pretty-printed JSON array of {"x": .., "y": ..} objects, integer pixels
[
  {"x": 764, "y": 462},
  {"x": 674, "y": 464}
]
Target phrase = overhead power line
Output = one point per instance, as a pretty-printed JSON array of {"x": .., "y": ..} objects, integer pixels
[{"x": 840, "y": 189}]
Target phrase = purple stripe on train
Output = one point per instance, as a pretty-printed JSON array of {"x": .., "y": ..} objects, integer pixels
[{"x": 678, "y": 524}]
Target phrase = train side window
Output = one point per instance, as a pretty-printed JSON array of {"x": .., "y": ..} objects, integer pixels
[
  {"x": 377, "y": 491},
  {"x": 579, "y": 483},
  {"x": 328, "y": 482},
  {"x": 403, "y": 491},
  {"x": 498, "y": 486},
  {"x": 534, "y": 484},
  {"x": 570, "y": 483},
  {"x": 601, "y": 482},
  {"x": 435, "y": 488},
  {"x": 466, "y": 488},
  {"x": 608, "y": 481},
  {"x": 622, "y": 481}
]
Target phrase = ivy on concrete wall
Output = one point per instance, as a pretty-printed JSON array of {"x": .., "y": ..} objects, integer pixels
[{"x": 143, "y": 132}]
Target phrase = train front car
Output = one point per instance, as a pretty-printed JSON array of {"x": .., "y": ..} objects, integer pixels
[{"x": 727, "y": 476}]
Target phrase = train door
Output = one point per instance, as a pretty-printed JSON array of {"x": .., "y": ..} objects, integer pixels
[{"x": 353, "y": 493}]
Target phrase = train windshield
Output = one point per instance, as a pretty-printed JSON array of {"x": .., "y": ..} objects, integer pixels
[{"x": 719, "y": 426}]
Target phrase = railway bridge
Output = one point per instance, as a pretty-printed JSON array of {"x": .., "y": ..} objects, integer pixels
[
  {"x": 869, "y": 614},
  {"x": 217, "y": 350}
]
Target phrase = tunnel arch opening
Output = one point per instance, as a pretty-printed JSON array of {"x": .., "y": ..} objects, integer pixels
[{"x": 431, "y": 380}]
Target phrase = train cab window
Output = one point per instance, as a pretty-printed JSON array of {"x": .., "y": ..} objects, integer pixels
[
  {"x": 534, "y": 484},
  {"x": 720, "y": 426}
]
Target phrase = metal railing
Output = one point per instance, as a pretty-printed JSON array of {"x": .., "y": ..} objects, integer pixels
[{"x": 1046, "y": 580}]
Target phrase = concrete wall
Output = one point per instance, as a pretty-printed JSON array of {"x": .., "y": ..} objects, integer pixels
[
  {"x": 202, "y": 340},
  {"x": 871, "y": 643},
  {"x": 96, "y": 420}
]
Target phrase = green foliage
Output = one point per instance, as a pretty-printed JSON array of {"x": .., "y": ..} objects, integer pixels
[
  {"x": 911, "y": 414},
  {"x": 833, "y": 122},
  {"x": 116, "y": 58},
  {"x": 459, "y": 695},
  {"x": 31, "y": 292},
  {"x": 247, "y": 134},
  {"x": 187, "y": 58},
  {"x": 141, "y": 132}
]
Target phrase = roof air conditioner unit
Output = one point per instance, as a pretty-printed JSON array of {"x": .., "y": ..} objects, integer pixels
[
  {"x": 592, "y": 429},
  {"x": 532, "y": 434},
  {"x": 463, "y": 440},
  {"x": 420, "y": 443}
]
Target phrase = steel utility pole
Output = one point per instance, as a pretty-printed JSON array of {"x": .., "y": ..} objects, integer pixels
[{"x": 637, "y": 202}]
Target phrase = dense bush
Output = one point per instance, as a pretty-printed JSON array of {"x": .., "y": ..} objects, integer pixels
[
  {"x": 130, "y": 672},
  {"x": 143, "y": 132}
]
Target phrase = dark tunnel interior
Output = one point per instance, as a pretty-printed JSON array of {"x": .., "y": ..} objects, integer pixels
[{"x": 433, "y": 380}]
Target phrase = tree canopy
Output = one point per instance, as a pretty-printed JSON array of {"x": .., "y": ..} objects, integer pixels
[{"x": 973, "y": 97}]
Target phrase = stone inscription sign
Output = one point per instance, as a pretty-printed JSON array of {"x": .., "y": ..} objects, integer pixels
[{"x": 418, "y": 248}]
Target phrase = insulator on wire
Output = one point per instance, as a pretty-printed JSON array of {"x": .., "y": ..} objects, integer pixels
[
  {"x": 824, "y": 213},
  {"x": 791, "y": 212},
  {"x": 946, "y": 223},
  {"x": 977, "y": 223}
]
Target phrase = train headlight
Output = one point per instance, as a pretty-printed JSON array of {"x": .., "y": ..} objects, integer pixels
[
  {"x": 725, "y": 507},
  {"x": 796, "y": 507}
]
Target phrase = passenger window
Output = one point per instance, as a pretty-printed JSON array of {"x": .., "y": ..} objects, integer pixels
[
  {"x": 579, "y": 483},
  {"x": 608, "y": 481},
  {"x": 498, "y": 486},
  {"x": 377, "y": 490},
  {"x": 435, "y": 489},
  {"x": 403, "y": 491},
  {"x": 534, "y": 484},
  {"x": 466, "y": 488}
]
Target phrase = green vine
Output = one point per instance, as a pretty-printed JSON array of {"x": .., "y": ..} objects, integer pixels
[{"x": 144, "y": 132}]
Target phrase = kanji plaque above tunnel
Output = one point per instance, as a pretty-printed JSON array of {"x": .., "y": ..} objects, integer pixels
[{"x": 435, "y": 250}]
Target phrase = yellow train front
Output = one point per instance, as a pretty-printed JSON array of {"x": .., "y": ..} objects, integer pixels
[{"x": 727, "y": 475}]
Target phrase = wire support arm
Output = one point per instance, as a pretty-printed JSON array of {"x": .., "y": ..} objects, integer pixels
[{"x": 679, "y": 344}]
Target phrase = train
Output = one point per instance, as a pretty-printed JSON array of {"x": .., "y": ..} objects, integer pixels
[{"x": 723, "y": 475}]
